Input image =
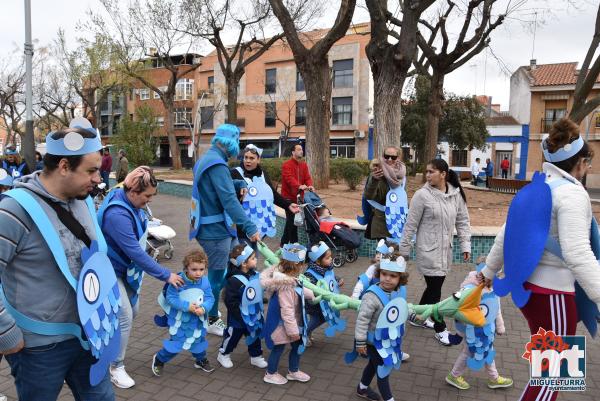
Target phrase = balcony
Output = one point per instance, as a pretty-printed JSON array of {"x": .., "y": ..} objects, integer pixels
[{"x": 547, "y": 124}]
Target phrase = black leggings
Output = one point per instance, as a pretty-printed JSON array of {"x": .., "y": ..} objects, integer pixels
[
  {"x": 371, "y": 370},
  {"x": 290, "y": 232},
  {"x": 432, "y": 295}
]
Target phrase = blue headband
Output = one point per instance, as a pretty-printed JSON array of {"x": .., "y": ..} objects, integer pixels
[
  {"x": 11, "y": 152},
  {"x": 5, "y": 178},
  {"x": 383, "y": 248},
  {"x": 242, "y": 257},
  {"x": 564, "y": 153},
  {"x": 316, "y": 251},
  {"x": 398, "y": 265},
  {"x": 74, "y": 143},
  {"x": 294, "y": 253}
]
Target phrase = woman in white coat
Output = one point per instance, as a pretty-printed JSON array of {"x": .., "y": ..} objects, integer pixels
[
  {"x": 551, "y": 304},
  {"x": 435, "y": 210}
]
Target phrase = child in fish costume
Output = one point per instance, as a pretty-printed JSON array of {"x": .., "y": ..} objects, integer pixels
[
  {"x": 244, "y": 302},
  {"x": 286, "y": 321},
  {"x": 186, "y": 314},
  {"x": 479, "y": 349}
]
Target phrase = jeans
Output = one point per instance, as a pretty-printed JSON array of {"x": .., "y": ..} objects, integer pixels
[
  {"x": 294, "y": 361},
  {"x": 105, "y": 175},
  {"x": 165, "y": 356},
  {"x": 432, "y": 295},
  {"x": 39, "y": 373},
  {"x": 314, "y": 321},
  {"x": 218, "y": 259},
  {"x": 231, "y": 338},
  {"x": 371, "y": 370},
  {"x": 126, "y": 316},
  {"x": 504, "y": 173},
  {"x": 290, "y": 232}
]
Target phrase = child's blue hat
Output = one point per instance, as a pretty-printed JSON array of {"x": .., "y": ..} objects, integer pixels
[
  {"x": 398, "y": 265},
  {"x": 11, "y": 151},
  {"x": 242, "y": 257},
  {"x": 383, "y": 249},
  {"x": 318, "y": 250},
  {"x": 77, "y": 140},
  {"x": 5, "y": 178},
  {"x": 228, "y": 131},
  {"x": 294, "y": 253}
]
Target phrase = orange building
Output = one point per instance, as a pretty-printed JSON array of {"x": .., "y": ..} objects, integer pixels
[{"x": 542, "y": 94}]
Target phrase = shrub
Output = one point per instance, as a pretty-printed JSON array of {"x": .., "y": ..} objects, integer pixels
[
  {"x": 352, "y": 174},
  {"x": 273, "y": 169}
]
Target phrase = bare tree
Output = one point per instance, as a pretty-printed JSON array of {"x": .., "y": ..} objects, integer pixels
[
  {"x": 12, "y": 99},
  {"x": 144, "y": 25},
  {"x": 588, "y": 75},
  {"x": 313, "y": 64},
  {"x": 437, "y": 57},
  {"x": 247, "y": 21},
  {"x": 391, "y": 55}
]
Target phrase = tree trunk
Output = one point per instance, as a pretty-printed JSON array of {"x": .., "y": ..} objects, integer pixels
[
  {"x": 232, "y": 96},
  {"x": 388, "y": 83},
  {"x": 317, "y": 83},
  {"x": 173, "y": 145},
  {"x": 433, "y": 116}
]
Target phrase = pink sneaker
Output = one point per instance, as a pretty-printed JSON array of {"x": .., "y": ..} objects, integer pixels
[
  {"x": 274, "y": 378},
  {"x": 298, "y": 376}
]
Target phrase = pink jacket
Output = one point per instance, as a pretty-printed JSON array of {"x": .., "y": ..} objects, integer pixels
[
  {"x": 472, "y": 279},
  {"x": 289, "y": 303}
]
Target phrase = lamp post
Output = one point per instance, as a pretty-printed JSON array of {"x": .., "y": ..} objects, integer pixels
[{"x": 28, "y": 140}]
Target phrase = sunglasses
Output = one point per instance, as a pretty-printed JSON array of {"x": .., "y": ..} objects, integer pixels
[{"x": 390, "y": 157}]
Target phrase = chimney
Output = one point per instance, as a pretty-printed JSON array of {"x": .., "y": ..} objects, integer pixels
[{"x": 533, "y": 64}]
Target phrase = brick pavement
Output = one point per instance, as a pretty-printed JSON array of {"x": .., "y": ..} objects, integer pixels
[{"x": 419, "y": 379}]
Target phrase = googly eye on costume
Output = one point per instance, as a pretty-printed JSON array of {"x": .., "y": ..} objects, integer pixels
[
  {"x": 73, "y": 141},
  {"x": 392, "y": 314},
  {"x": 393, "y": 197},
  {"x": 251, "y": 294},
  {"x": 484, "y": 309},
  {"x": 331, "y": 286},
  {"x": 253, "y": 191}
]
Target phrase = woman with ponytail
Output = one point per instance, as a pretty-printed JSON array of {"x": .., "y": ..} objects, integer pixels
[{"x": 435, "y": 210}]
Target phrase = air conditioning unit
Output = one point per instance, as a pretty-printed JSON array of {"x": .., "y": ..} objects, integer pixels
[{"x": 359, "y": 134}]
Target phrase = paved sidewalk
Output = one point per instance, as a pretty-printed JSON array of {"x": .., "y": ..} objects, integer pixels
[{"x": 419, "y": 379}]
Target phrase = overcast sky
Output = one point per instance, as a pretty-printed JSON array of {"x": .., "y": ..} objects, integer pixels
[{"x": 564, "y": 37}]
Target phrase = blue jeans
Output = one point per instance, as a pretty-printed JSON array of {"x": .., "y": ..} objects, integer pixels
[
  {"x": 218, "y": 259},
  {"x": 105, "y": 175},
  {"x": 315, "y": 321},
  {"x": 370, "y": 371},
  {"x": 39, "y": 373},
  {"x": 294, "y": 361},
  {"x": 126, "y": 315},
  {"x": 231, "y": 338},
  {"x": 165, "y": 356}
]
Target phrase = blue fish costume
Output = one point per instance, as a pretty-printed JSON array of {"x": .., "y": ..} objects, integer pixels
[
  {"x": 328, "y": 282},
  {"x": 96, "y": 288},
  {"x": 395, "y": 209},
  {"x": 367, "y": 281},
  {"x": 187, "y": 330},
  {"x": 259, "y": 204},
  {"x": 14, "y": 170},
  {"x": 527, "y": 236},
  {"x": 293, "y": 253},
  {"x": 135, "y": 274}
]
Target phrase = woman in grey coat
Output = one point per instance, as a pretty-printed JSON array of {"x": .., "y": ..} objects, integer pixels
[{"x": 435, "y": 210}]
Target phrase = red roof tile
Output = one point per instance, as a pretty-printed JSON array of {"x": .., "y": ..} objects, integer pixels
[
  {"x": 554, "y": 74},
  {"x": 501, "y": 120}
]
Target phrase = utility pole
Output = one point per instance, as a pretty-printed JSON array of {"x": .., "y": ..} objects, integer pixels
[{"x": 28, "y": 143}]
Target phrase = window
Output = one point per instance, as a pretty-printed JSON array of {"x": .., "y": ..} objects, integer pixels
[
  {"x": 342, "y": 73},
  {"x": 299, "y": 82},
  {"x": 551, "y": 116},
  {"x": 300, "y": 112},
  {"x": 104, "y": 125},
  {"x": 160, "y": 121},
  {"x": 342, "y": 148},
  {"x": 597, "y": 120},
  {"x": 271, "y": 80},
  {"x": 342, "y": 110},
  {"x": 183, "y": 117},
  {"x": 156, "y": 95},
  {"x": 459, "y": 158},
  {"x": 270, "y": 110},
  {"x": 115, "y": 125},
  {"x": 144, "y": 94},
  {"x": 207, "y": 114},
  {"x": 211, "y": 83},
  {"x": 183, "y": 89}
]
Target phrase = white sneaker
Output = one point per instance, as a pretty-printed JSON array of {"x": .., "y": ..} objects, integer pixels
[
  {"x": 405, "y": 356},
  {"x": 259, "y": 362},
  {"x": 225, "y": 360},
  {"x": 120, "y": 378},
  {"x": 217, "y": 328},
  {"x": 443, "y": 337}
]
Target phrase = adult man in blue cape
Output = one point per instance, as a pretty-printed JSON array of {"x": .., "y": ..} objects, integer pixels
[
  {"x": 55, "y": 275},
  {"x": 215, "y": 209}
]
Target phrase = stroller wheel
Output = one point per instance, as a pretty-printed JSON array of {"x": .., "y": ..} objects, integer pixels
[
  {"x": 338, "y": 261},
  {"x": 168, "y": 254},
  {"x": 351, "y": 256}
]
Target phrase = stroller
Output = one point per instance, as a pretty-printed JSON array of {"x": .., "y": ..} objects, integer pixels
[
  {"x": 342, "y": 240},
  {"x": 159, "y": 237}
]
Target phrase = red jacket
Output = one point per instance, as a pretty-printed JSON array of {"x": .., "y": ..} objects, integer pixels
[
  {"x": 294, "y": 174},
  {"x": 504, "y": 164}
]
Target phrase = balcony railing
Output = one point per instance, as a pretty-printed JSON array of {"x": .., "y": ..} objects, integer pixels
[{"x": 547, "y": 124}]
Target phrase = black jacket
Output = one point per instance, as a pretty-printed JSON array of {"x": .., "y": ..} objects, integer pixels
[{"x": 233, "y": 295}]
